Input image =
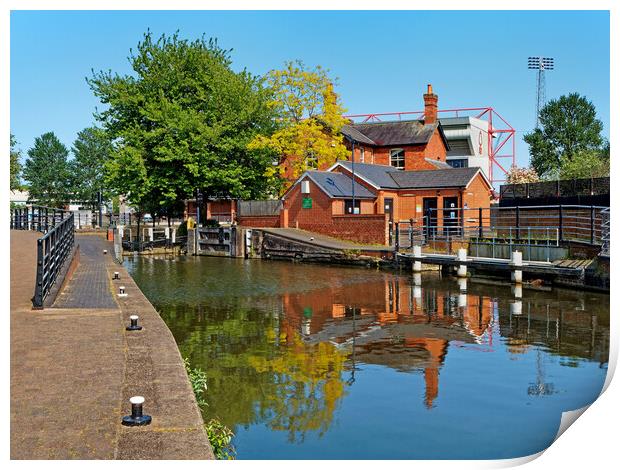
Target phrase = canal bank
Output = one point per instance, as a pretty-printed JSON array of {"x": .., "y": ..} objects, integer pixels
[{"x": 74, "y": 367}]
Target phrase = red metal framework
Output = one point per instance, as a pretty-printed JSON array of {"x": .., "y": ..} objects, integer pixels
[{"x": 501, "y": 144}]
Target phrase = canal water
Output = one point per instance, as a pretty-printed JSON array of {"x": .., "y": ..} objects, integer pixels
[{"x": 308, "y": 361}]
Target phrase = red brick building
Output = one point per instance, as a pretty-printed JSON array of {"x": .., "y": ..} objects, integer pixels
[{"x": 356, "y": 201}]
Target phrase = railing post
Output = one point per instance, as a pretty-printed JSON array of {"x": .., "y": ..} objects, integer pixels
[
  {"x": 397, "y": 237},
  {"x": 37, "y": 301},
  {"x": 560, "y": 223},
  {"x": 591, "y": 225},
  {"x": 47, "y": 218},
  {"x": 517, "y": 222},
  {"x": 480, "y": 222}
]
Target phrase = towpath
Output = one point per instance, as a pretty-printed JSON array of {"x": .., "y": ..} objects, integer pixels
[{"x": 74, "y": 367}]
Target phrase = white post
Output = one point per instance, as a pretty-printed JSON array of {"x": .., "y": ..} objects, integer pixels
[
  {"x": 150, "y": 233},
  {"x": 174, "y": 235},
  {"x": 462, "y": 284},
  {"x": 121, "y": 230},
  {"x": 516, "y": 307},
  {"x": 417, "y": 286},
  {"x": 167, "y": 232},
  {"x": 516, "y": 259},
  {"x": 417, "y": 253},
  {"x": 462, "y": 256}
]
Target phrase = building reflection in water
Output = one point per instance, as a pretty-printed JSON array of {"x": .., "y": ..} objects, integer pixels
[
  {"x": 283, "y": 346},
  {"x": 401, "y": 324}
]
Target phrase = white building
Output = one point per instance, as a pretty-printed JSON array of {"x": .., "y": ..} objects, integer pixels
[{"x": 468, "y": 138}]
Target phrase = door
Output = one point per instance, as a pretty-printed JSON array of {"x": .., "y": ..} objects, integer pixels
[
  {"x": 388, "y": 205},
  {"x": 451, "y": 215},
  {"x": 429, "y": 208}
]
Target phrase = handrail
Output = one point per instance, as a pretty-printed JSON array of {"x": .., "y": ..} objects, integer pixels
[{"x": 53, "y": 248}]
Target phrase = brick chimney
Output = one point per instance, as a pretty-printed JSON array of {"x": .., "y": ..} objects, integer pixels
[{"x": 430, "y": 106}]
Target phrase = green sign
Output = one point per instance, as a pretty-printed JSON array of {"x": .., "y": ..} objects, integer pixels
[{"x": 306, "y": 203}]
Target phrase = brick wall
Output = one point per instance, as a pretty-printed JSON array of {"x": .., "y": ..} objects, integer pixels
[
  {"x": 259, "y": 221},
  {"x": 326, "y": 217}
]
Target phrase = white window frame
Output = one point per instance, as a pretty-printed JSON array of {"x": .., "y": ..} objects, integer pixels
[
  {"x": 361, "y": 154},
  {"x": 394, "y": 152}
]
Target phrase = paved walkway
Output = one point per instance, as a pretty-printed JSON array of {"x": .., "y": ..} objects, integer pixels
[{"x": 74, "y": 369}]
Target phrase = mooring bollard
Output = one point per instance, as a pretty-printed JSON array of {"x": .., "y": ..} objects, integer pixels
[
  {"x": 133, "y": 326},
  {"x": 121, "y": 291},
  {"x": 417, "y": 253},
  {"x": 105, "y": 252},
  {"x": 516, "y": 259},
  {"x": 462, "y": 256},
  {"x": 116, "y": 276},
  {"x": 136, "y": 418}
]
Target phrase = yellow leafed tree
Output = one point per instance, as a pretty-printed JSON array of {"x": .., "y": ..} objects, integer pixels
[{"x": 310, "y": 118}]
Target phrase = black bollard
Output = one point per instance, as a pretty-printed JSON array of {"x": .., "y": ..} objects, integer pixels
[
  {"x": 133, "y": 324},
  {"x": 136, "y": 418}
]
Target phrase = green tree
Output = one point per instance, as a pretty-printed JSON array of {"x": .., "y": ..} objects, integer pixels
[
  {"x": 310, "y": 119},
  {"x": 568, "y": 126},
  {"x": 47, "y": 171},
  {"x": 91, "y": 151},
  {"x": 585, "y": 164},
  {"x": 16, "y": 167},
  {"x": 182, "y": 122}
]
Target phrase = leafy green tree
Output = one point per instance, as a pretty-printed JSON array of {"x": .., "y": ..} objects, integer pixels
[
  {"x": 47, "y": 171},
  {"x": 16, "y": 167},
  {"x": 182, "y": 122},
  {"x": 568, "y": 126},
  {"x": 91, "y": 151},
  {"x": 585, "y": 164}
]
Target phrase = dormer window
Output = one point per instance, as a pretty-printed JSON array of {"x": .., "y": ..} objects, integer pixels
[{"x": 397, "y": 158}]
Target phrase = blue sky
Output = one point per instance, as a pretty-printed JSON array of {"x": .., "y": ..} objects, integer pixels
[{"x": 383, "y": 60}]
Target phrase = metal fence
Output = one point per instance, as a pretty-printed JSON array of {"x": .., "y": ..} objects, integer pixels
[
  {"x": 38, "y": 218},
  {"x": 606, "y": 235},
  {"x": 532, "y": 225},
  {"x": 558, "y": 188},
  {"x": 53, "y": 248}
]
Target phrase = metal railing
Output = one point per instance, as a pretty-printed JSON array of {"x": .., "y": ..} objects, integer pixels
[
  {"x": 37, "y": 218},
  {"x": 606, "y": 229},
  {"x": 564, "y": 222},
  {"x": 53, "y": 248}
]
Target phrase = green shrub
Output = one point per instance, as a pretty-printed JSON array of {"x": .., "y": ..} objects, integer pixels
[{"x": 220, "y": 437}]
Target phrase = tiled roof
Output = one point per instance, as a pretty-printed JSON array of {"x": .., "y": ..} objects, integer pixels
[
  {"x": 387, "y": 177},
  {"x": 395, "y": 132},
  {"x": 377, "y": 175},
  {"x": 357, "y": 136},
  {"x": 339, "y": 185},
  {"x": 449, "y": 178},
  {"x": 438, "y": 164}
]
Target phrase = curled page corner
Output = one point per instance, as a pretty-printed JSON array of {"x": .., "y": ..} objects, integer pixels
[{"x": 568, "y": 418}]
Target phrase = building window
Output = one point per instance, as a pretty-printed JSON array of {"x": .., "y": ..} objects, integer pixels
[
  {"x": 458, "y": 163},
  {"x": 348, "y": 206},
  {"x": 361, "y": 154},
  {"x": 312, "y": 162},
  {"x": 397, "y": 158}
]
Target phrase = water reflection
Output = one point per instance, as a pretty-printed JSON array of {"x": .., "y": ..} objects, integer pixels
[{"x": 282, "y": 343}]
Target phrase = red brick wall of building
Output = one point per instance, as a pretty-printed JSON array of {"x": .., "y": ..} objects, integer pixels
[{"x": 363, "y": 228}]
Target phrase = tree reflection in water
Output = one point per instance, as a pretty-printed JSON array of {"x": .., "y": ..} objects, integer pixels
[{"x": 281, "y": 349}]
